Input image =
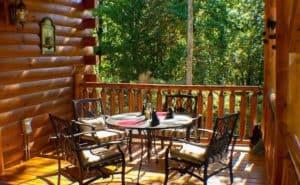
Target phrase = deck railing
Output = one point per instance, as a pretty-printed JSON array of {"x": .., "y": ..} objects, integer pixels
[{"x": 212, "y": 100}]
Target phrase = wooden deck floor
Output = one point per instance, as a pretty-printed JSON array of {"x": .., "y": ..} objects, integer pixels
[{"x": 248, "y": 170}]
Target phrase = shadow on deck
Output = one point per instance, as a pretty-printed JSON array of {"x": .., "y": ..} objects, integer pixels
[{"x": 248, "y": 170}]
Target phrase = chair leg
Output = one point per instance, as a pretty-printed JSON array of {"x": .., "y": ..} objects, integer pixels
[
  {"x": 123, "y": 171},
  {"x": 129, "y": 145},
  {"x": 230, "y": 172},
  {"x": 59, "y": 170},
  {"x": 166, "y": 167},
  {"x": 205, "y": 174}
]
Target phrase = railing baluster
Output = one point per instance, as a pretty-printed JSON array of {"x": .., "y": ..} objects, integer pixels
[
  {"x": 209, "y": 120},
  {"x": 221, "y": 104},
  {"x": 130, "y": 100},
  {"x": 94, "y": 93},
  {"x": 139, "y": 100},
  {"x": 200, "y": 103},
  {"x": 103, "y": 98},
  {"x": 112, "y": 102},
  {"x": 253, "y": 109},
  {"x": 121, "y": 100},
  {"x": 232, "y": 102},
  {"x": 179, "y": 100},
  {"x": 159, "y": 100},
  {"x": 243, "y": 107},
  {"x": 149, "y": 95},
  {"x": 168, "y": 101},
  {"x": 84, "y": 93}
]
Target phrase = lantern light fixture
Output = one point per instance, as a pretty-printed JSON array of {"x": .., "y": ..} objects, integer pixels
[{"x": 18, "y": 12}]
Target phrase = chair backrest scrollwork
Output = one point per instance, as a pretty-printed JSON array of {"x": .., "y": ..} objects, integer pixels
[
  {"x": 89, "y": 107},
  {"x": 222, "y": 136}
]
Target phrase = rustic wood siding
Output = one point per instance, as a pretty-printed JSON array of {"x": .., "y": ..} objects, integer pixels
[{"x": 34, "y": 85}]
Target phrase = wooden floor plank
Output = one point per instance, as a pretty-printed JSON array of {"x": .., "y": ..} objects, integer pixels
[{"x": 248, "y": 170}]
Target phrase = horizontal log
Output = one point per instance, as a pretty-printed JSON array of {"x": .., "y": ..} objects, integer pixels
[
  {"x": 30, "y": 111},
  {"x": 73, "y": 3},
  {"x": 46, "y": 129},
  {"x": 34, "y": 28},
  {"x": 34, "y": 39},
  {"x": 39, "y": 144},
  {"x": 13, "y": 157},
  {"x": 60, "y": 9},
  {"x": 13, "y": 144},
  {"x": 8, "y": 91},
  {"x": 11, "y": 131},
  {"x": 35, "y": 74},
  {"x": 64, "y": 111},
  {"x": 57, "y": 19},
  {"x": 22, "y": 63},
  {"x": 35, "y": 51},
  {"x": 35, "y": 98},
  {"x": 19, "y": 38},
  {"x": 14, "y": 130}
]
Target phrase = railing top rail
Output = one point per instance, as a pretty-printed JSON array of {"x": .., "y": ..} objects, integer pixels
[{"x": 173, "y": 86}]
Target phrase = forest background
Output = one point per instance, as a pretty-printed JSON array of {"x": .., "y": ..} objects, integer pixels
[{"x": 150, "y": 37}]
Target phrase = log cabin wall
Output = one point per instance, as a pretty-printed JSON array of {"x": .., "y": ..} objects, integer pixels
[
  {"x": 281, "y": 77},
  {"x": 33, "y": 85}
]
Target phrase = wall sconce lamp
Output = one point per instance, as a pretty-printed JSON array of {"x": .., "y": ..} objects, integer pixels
[{"x": 18, "y": 12}]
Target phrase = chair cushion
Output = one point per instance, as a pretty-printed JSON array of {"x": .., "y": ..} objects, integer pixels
[
  {"x": 189, "y": 152},
  {"x": 177, "y": 133},
  {"x": 99, "y": 154},
  {"x": 98, "y": 123},
  {"x": 106, "y": 135}
]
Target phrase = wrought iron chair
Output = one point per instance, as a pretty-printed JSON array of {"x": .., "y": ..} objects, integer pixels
[
  {"x": 184, "y": 104},
  {"x": 89, "y": 114},
  {"x": 86, "y": 162},
  {"x": 191, "y": 156}
]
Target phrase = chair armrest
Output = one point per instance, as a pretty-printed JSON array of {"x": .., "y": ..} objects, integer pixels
[
  {"x": 85, "y": 125},
  {"x": 205, "y": 130},
  {"x": 91, "y": 147},
  {"x": 92, "y": 132},
  {"x": 186, "y": 142}
]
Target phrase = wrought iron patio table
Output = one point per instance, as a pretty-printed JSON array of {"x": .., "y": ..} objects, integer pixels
[{"x": 135, "y": 121}]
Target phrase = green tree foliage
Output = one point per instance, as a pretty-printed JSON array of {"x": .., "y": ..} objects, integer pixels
[{"x": 150, "y": 35}]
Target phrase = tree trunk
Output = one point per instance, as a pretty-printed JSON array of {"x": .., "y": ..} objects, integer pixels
[{"x": 189, "y": 60}]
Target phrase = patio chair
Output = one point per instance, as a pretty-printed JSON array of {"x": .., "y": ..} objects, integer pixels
[
  {"x": 183, "y": 104},
  {"x": 190, "y": 156},
  {"x": 89, "y": 116},
  {"x": 86, "y": 162}
]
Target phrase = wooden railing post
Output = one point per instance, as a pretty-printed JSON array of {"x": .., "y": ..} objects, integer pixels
[
  {"x": 243, "y": 107},
  {"x": 139, "y": 100},
  {"x": 221, "y": 104},
  {"x": 121, "y": 100},
  {"x": 103, "y": 99},
  {"x": 131, "y": 100},
  {"x": 112, "y": 102},
  {"x": 209, "y": 110},
  {"x": 159, "y": 100},
  {"x": 253, "y": 109},
  {"x": 232, "y": 102}
]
